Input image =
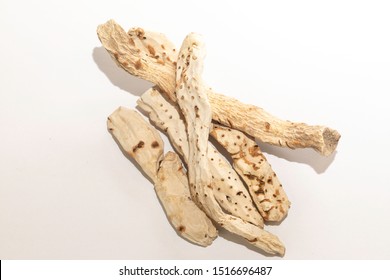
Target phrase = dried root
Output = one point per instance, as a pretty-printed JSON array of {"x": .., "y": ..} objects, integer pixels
[
  {"x": 138, "y": 53},
  {"x": 254, "y": 169},
  {"x": 138, "y": 139},
  {"x": 174, "y": 194},
  {"x": 143, "y": 143}
]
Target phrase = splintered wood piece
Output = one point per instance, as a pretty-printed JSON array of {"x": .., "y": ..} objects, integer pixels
[
  {"x": 138, "y": 139},
  {"x": 172, "y": 190},
  {"x": 228, "y": 189},
  {"x": 248, "y": 160},
  {"x": 171, "y": 185},
  {"x": 193, "y": 101},
  {"x": 133, "y": 54}
]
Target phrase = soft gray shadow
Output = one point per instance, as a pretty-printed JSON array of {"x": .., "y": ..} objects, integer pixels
[
  {"x": 306, "y": 156},
  {"x": 117, "y": 76},
  {"x": 240, "y": 240}
]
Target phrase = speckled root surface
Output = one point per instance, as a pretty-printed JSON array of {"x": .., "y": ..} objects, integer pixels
[{"x": 151, "y": 56}]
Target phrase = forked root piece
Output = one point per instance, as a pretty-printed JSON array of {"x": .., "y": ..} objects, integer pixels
[
  {"x": 142, "y": 142},
  {"x": 143, "y": 59},
  {"x": 228, "y": 189},
  {"x": 196, "y": 110},
  {"x": 248, "y": 160}
]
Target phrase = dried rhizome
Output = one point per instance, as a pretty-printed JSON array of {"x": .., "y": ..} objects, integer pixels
[{"x": 210, "y": 192}]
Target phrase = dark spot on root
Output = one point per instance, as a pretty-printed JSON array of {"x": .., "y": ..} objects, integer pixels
[
  {"x": 181, "y": 228},
  {"x": 254, "y": 151},
  {"x": 262, "y": 183},
  {"x": 140, "y": 32},
  {"x": 196, "y": 111},
  {"x": 155, "y": 144},
  {"x": 252, "y": 240},
  {"x": 138, "y": 64},
  {"x": 259, "y": 191},
  {"x": 138, "y": 146},
  {"x": 267, "y": 126}
]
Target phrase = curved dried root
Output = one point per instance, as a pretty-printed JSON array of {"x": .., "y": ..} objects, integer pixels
[{"x": 248, "y": 160}]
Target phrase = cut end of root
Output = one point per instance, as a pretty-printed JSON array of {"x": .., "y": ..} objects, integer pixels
[{"x": 331, "y": 139}]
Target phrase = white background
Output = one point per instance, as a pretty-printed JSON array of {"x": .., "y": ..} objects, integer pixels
[{"x": 67, "y": 191}]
